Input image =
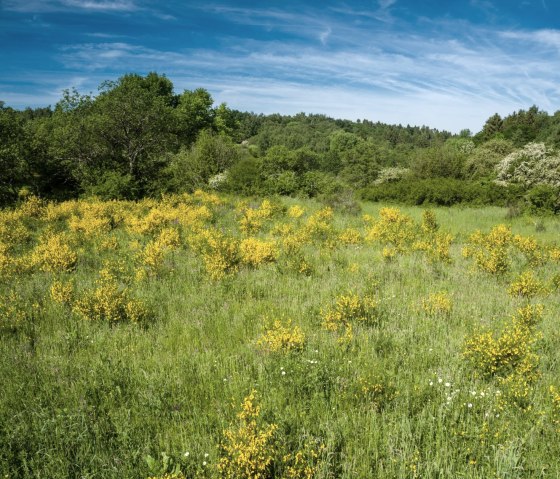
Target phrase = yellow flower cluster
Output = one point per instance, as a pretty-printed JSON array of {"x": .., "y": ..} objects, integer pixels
[
  {"x": 555, "y": 400},
  {"x": 436, "y": 247},
  {"x": 305, "y": 463},
  {"x": 437, "y": 304},
  {"x": 393, "y": 229},
  {"x": 61, "y": 292},
  {"x": 206, "y": 198},
  {"x": 526, "y": 286},
  {"x": 509, "y": 356},
  {"x": 350, "y": 309},
  {"x": 493, "y": 252},
  {"x": 296, "y": 211},
  {"x": 13, "y": 231},
  {"x": 318, "y": 227},
  {"x": 490, "y": 252},
  {"x": 500, "y": 355},
  {"x": 282, "y": 337},
  {"x": 12, "y": 312},
  {"x": 54, "y": 254},
  {"x": 255, "y": 252},
  {"x": 377, "y": 392},
  {"x": 7, "y": 263},
  {"x": 155, "y": 252},
  {"x": 248, "y": 448},
  {"x": 252, "y": 219},
  {"x": 92, "y": 222},
  {"x": 429, "y": 223},
  {"x": 32, "y": 207},
  {"x": 156, "y": 219},
  {"x": 350, "y": 236},
  {"x": 399, "y": 234},
  {"x": 554, "y": 254},
  {"x": 219, "y": 252},
  {"x": 173, "y": 475},
  {"x": 531, "y": 249},
  {"x": 110, "y": 302}
]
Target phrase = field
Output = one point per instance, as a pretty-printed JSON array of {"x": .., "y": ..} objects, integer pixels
[{"x": 205, "y": 336}]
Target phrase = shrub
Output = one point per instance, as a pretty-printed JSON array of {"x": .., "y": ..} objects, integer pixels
[
  {"x": 534, "y": 164},
  {"x": 444, "y": 192}
]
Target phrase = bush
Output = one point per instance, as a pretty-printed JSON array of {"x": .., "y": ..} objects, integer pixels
[
  {"x": 443, "y": 192},
  {"x": 114, "y": 185},
  {"x": 543, "y": 198},
  {"x": 244, "y": 177}
]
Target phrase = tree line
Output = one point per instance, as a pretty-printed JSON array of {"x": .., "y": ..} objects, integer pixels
[{"x": 137, "y": 137}]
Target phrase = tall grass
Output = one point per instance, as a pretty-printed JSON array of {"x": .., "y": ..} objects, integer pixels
[{"x": 97, "y": 399}]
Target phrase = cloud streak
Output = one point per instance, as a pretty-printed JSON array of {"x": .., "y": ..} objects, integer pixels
[
  {"x": 41, "y": 6},
  {"x": 343, "y": 62}
]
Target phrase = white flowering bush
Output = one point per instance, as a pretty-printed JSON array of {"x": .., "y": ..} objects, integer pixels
[
  {"x": 218, "y": 181},
  {"x": 391, "y": 174},
  {"x": 534, "y": 164}
]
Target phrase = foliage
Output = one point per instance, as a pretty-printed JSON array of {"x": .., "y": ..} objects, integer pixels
[{"x": 534, "y": 164}]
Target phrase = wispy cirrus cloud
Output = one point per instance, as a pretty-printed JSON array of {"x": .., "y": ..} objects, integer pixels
[
  {"x": 454, "y": 83},
  {"x": 40, "y": 6},
  {"x": 544, "y": 37},
  {"x": 341, "y": 59}
]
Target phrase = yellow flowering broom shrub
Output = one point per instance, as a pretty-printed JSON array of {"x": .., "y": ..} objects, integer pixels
[
  {"x": 254, "y": 252},
  {"x": 490, "y": 252},
  {"x": 219, "y": 252},
  {"x": 435, "y": 246},
  {"x": 110, "y": 302},
  {"x": 13, "y": 313},
  {"x": 318, "y": 228},
  {"x": 248, "y": 448},
  {"x": 509, "y": 352},
  {"x": 282, "y": 337},
  {"x": 436, "y": 304},
  {"x": 350, "y": 236},
  {"x": 54, "y": 253},
  {"x": 350, "y": 309},
  {"x": 252, "y": 219},
  {"x": 534, "y": 253},
  {"x": 393, "y": 229},
  {"x": 429, "y": 223},
  {"x": 555, "y": 403},
  {"x": 527, "y": 286},
  {"x": 305, "y": 462},
  {"x": 154, "y": 254},
  {"x": 296, "y": 211},
  {"x": 13, "y": 231},
  {"x": 62, "y": 292}
]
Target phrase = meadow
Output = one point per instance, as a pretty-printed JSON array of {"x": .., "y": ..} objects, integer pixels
[{"x": 205, "y": 336}]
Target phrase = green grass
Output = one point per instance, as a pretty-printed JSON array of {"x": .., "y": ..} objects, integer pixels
[{"x": 82, "y": 399}]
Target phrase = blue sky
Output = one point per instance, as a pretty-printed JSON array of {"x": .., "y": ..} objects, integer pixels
[{"x": 446, "y": 64}]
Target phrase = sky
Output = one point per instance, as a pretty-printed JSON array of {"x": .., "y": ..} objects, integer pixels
[{"x": 444, "y": 64}]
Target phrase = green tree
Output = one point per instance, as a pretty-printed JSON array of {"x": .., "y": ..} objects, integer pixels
[
  {"x": 191, "y": 168},
  {"x": 194, "y": 113},
  {"x": 123, "y": 132},
  {"x": 438, "y": 162},
  {"x": 13, "y": 143},
  {"x": 492, "y": 127}
]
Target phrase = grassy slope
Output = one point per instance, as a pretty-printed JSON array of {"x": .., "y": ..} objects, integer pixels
[{"x": 83, "y": 399}]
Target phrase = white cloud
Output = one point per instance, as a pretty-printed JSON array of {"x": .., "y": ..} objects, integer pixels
[
  {"x": 352, "y": 66},
  {"x": 324, "y": 36},
  {"x": 544, "y": 37},
  {"x": 38, "y": 6},
  {"x": 386, "y": 3}
]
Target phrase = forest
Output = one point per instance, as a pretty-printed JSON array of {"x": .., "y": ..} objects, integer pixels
[{"x": 139, "y": 138}]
